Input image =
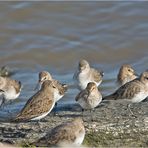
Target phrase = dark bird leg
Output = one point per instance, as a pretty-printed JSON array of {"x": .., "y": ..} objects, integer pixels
[
  {"x": 55, "y": 111},
  {"x": 10, "y": 103},
  {"x": 91, "y": 114},
  {"x": 2, "y": 103},
  {"x": 83, "y": 113},
  {"x": 2, "y": 99}
]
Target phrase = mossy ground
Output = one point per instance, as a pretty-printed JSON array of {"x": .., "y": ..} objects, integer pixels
[
  {"x": 103, "y": 139},
  {"x": 97, "y": 139}
]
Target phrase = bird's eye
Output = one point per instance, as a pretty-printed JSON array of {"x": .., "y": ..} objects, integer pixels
[
  {"x": 146, "y": 78},
  {"x": 54, "y": 86},
  {"x": 129, "y": 70}
]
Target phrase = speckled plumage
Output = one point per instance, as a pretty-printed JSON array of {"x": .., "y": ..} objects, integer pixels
[
  {"x": 86, "y": 74},
  {"x": 72, "y": 132},
  {"x": 39, "y": 105},
  {"x": 135, "y": 90}
]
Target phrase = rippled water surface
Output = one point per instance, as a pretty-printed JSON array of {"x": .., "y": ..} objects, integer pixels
[{"x": 54, "y": 36}]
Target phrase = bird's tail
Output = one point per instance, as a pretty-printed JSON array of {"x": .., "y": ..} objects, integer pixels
[
  {"x": 65, "y": 87},
  {"x": 2, "y": 91},
  {"x": 19, "y": 118},
  {"x": 102, "y": 73}
]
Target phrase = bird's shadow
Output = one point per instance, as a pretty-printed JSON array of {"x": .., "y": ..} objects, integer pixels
[
  {"x": 70, "y": 115},
  {"x": 67, "y": 107},
  {"x": 145, "y": 100}
]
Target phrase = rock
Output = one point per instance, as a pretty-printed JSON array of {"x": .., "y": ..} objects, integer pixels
[{"x": 115, "y": 123}]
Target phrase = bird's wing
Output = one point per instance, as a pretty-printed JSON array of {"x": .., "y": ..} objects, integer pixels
[
  {"x": 62, "y": 88},
  {"x": 97, "y": 75},
  {"x": 35, "y": 106},
  {"x": 127, "y": 91},
  {"x": 83, "y": 94}
]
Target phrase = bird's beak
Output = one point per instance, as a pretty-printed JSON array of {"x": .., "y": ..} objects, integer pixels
[
  {"x": 81, "y": 68},
  {"x": 92, "y": 89},
  {"x": 2, "y": 91},
  {"x": 38, "y": 86},
  {"x": 136, "y": 74},
  {"x": 102, "y": 73}
]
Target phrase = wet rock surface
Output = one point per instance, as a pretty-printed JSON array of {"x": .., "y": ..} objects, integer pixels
[{"x": 113, "y": 123}]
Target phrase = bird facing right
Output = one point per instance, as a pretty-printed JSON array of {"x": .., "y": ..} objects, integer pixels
[
  {"x": 135, "y": 90},
  {"x": 126, "y": 74},
  {"x": 60, "y": 88},
  {"x": 72, "y": 132}
]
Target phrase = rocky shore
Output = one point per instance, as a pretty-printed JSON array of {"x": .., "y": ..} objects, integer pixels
[{"x": 115, "y": 123}]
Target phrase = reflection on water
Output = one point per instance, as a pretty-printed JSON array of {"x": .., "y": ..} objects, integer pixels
[{"x": 54, "y": 36}]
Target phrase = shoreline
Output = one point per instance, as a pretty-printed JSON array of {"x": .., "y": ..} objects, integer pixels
[{"x": 113, "y": 125}]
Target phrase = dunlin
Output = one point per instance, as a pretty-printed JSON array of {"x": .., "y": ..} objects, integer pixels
[
  {"x": 10, "y": 89},
  {"x": 126, "y": 74},
  {"x": 60, "y": 88},
  {"x": 72, "y": 132},
  {"x": 90, "y": 97},
  {"x": 39, "y": 105},
  {"x": 86, "y": 74},
  {"x": 135, "y": 90}
]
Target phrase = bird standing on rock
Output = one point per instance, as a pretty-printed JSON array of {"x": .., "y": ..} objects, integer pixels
[
  {"x": 40, "y": 104},
  {"x": 89, "y": 98},
  {"x": 135, "y": 90}
]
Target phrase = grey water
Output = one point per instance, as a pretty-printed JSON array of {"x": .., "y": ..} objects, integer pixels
[{"x": 54, "y": 36}]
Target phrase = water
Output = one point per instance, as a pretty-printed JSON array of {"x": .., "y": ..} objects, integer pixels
[{"x": 54, "y": 36}]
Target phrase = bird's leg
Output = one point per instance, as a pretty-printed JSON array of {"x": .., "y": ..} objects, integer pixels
[
  {"x": 10, "y": 102},
  {"x": 40, "y": 128},
  {"x": 55, "y": 110},
  {"x": 82, "y": 113},
  {"x": 2, "y": 103},
  {"x": 91, "y": 114}
]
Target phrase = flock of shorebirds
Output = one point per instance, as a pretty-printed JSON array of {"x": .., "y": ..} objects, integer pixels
[{"x": 131, "y": 87}]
